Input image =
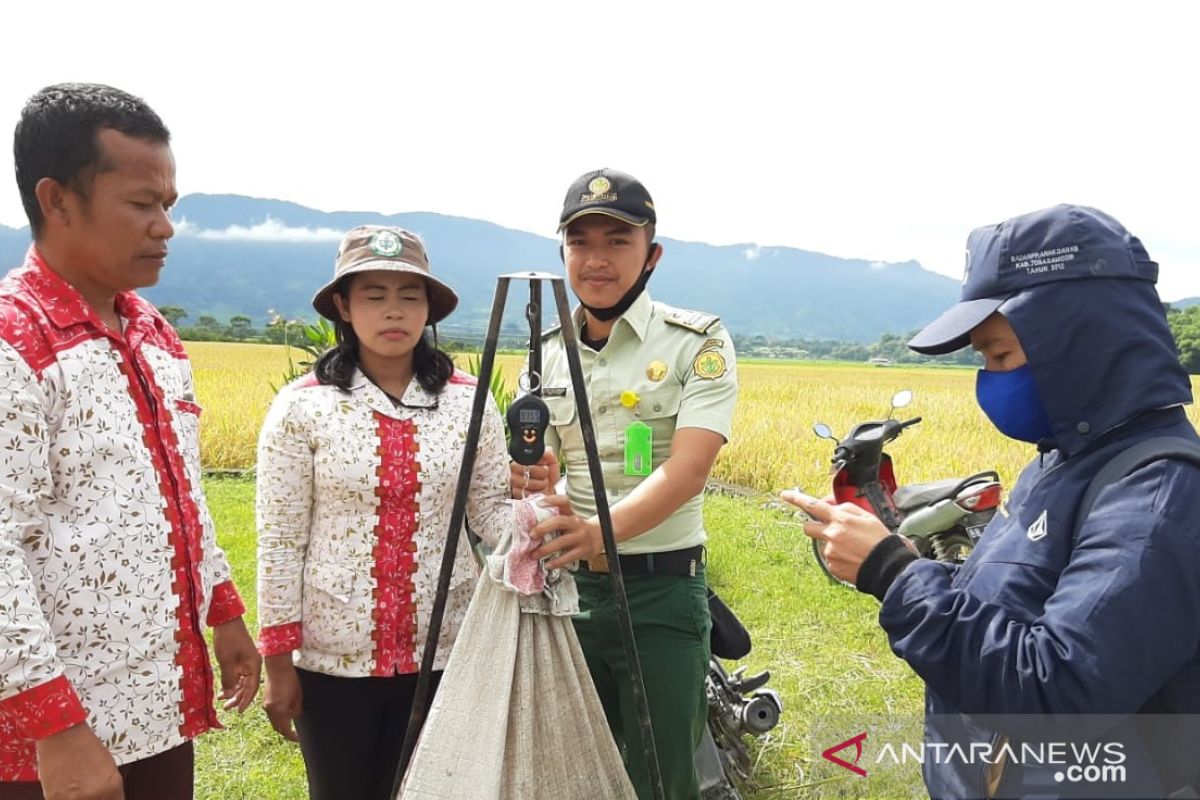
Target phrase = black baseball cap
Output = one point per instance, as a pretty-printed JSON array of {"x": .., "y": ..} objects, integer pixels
[
  {"x": 1062, "y": 243},
  {"x": 609, "y": 192}
]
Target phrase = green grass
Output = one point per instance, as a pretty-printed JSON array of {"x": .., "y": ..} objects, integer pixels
[
  {"x": 826, "y": 654},
  {"x": 247, "y": 760}
]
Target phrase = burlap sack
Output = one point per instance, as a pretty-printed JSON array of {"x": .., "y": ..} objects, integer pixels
[{"x": 516, "y": 716}]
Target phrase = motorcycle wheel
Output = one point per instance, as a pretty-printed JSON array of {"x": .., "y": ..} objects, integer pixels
[{"x": 953, "y": 546}]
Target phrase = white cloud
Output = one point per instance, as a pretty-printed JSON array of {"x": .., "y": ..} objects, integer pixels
[
  {"x": 878, "y": 265},
  {"x": 270, "y": 230},
  {"x": 752, "y": 253}
]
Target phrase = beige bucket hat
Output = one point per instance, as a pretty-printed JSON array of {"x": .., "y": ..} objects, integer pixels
[{"x": 386, "y": 247}]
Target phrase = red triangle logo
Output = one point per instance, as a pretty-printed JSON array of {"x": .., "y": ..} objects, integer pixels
[{"x": 857, "y": 741}]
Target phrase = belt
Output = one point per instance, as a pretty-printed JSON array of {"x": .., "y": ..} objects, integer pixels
[{"x": 673, "y": 562}]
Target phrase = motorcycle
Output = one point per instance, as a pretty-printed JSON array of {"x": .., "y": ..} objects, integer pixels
[
  {"x": 738, "y": 706},
  {"x": 944, "y": 519}
]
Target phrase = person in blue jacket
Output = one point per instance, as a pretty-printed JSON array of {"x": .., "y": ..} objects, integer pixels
[{"x": 1054, "y": 615}]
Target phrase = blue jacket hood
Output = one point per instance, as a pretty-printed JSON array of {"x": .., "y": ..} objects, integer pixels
[{"x": 1101, "y": 353}]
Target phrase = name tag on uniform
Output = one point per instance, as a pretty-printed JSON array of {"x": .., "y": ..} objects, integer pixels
[{"x": 639, "y": 449}]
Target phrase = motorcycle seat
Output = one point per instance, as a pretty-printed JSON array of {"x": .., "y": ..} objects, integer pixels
[{"x": 923, "y": 494}]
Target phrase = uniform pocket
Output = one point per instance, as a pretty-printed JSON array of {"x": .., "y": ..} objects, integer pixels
[
  {"x": 658, "y": 408},
  {"x": 698, "y": 602},
  {"x": 330, "y": 615},
  {"x": 660, "y": 402},
  {"x": 187, "y": 421},
  {"x": 333, "y": 579},
  {"x": 562, "y": 409},
  {"x": 186, "y": 418}
]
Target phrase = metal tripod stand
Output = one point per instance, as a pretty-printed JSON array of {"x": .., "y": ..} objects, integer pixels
[{"x": 421, "y": 699}]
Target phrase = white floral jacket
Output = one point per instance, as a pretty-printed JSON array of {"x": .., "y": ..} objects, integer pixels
[
  {"x": 354, "y": 502},
  {"x": 109, "y": 567}
]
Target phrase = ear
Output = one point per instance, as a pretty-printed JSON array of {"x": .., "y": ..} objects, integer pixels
[
  {"x": 656, "y": 251},
  {"x": 52, "y": 200},
  {"x": 343, "y": 308},
  {"x": 561, "y": 256}
]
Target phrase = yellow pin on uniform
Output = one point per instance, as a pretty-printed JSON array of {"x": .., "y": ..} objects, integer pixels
[
  {"x": 656, "y": 370},
  {"x": 639, "y": 440},
  {"x": 709, "y": 365}
]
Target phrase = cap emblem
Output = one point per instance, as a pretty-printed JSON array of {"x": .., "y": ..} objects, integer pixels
[
  {"x": 599, "y": 185},
  {"x": 599, "y": 191},
  {"x": 386, "y": 244}
]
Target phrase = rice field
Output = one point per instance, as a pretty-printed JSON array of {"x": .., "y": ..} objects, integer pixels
[
  {"x": 772, "y": 446},
  {"x": 233, "y": 386}
]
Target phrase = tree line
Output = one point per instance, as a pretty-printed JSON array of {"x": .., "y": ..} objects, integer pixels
[
  {"x": 281, "y": 330},
  {"x": 890, "y": 347},
  {"x": 1185, "y": 327}
]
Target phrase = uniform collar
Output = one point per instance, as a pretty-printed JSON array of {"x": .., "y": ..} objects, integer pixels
[
  {"x": 65, "y": 307},
  {"x": 415, "y": 396},
  {"x": 637, "y": 316}
]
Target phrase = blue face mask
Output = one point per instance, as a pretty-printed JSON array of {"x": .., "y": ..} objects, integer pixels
[{"x": 1011, "y": 402}]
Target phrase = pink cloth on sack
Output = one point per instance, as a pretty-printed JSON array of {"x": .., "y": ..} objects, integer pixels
[{"x": 526, "y": 572}]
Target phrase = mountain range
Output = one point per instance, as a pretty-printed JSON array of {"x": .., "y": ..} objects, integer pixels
[{"x": 241, "y": 255}]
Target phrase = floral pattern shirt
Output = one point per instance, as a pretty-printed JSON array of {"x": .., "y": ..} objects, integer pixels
[
  {"x": 109, "y": 566},
  {"x": 355, "y": 495}
]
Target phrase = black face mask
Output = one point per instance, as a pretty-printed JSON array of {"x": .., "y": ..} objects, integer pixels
[{"x": 627, "y": 299}]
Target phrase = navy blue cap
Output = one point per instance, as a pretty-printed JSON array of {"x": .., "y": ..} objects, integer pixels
[
  {"x": 1061, "y": 243},
  {"x": 609, "y": 192}
]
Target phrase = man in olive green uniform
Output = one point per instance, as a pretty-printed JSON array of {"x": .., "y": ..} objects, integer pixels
[{"x": 661, "y": 387}]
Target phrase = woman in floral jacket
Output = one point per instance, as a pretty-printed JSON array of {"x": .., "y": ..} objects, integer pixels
[{"x": 357, "y": 468}]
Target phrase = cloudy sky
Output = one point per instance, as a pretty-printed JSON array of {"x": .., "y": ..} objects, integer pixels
[{"x": 878, "y": 130}]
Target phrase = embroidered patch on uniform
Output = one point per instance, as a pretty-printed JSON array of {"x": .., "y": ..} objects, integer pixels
[
  {"x": 554, "y": 391},
  {"x": 386, "y": 244},
  {"x": 656, "y": 370},
  {"x": 710, "y": 344},
  {"x": 1037, "y": 530},
  {"x": 599, "y": 185},
  {"x": 709, "y": 365}
]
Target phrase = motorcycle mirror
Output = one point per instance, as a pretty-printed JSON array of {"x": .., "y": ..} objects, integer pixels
[
  {"x": 822, "y": 430},
  {"x": 899, "y": 400}
]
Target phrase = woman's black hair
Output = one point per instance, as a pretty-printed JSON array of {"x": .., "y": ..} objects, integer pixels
[{"x": 431, "y": 367}]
